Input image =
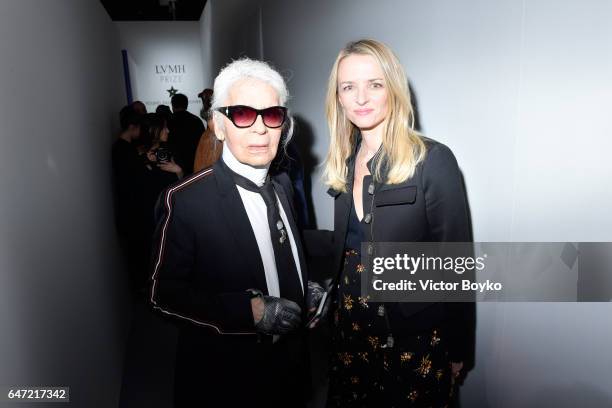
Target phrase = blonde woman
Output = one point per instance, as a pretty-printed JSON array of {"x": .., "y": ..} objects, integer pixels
[{"x": 390, "y": 184}]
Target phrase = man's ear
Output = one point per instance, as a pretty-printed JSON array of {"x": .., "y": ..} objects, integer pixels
[{"x": 218, "y": 127}]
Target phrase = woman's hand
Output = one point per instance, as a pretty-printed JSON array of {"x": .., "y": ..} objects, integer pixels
[
  {"x": 316, "y": 295},
  {"x": 171, "y": 167},
  {"x": 456, "y": 369},
  {"x": 151, "y": 156}
]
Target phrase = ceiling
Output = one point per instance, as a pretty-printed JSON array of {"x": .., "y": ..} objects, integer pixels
[{"x": 154, "y": 10}]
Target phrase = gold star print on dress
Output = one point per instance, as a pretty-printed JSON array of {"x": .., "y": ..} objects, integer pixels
[
  {"x": 366, "y": 373},
  {"x": 364, "y": 356},
  {"x": 346, "y": 358},
  {"x": 374, "y": 342},
  {"x": 363, "y": 301},
  {"x": 405, "y": 357},
  {"x": 348, "y": 302},
  {"x": 424, "y": 367},
  {"x": 434, "y": 338}
]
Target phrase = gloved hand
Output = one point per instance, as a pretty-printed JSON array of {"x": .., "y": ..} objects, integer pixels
[
  {"x": 313, "y": 298},
  {"x": 280, "y": 316}
]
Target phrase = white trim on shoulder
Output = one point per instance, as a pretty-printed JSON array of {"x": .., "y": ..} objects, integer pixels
[{"x": 160, "y": 255}]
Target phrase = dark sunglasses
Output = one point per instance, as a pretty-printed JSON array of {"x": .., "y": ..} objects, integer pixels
[{"x": 244, "y": 116}]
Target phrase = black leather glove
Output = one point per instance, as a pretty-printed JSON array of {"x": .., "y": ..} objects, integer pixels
[{"x": 280, "y": 316}]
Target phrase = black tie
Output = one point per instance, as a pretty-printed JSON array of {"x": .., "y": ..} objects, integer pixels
[{"x": 288, "y": 279}]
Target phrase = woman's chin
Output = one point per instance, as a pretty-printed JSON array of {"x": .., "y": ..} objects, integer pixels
[{"x": 367, "y": 125}]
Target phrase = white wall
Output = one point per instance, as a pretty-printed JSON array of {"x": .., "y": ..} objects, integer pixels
[
  {"x": 206, "y": 42},
  {"x": 519, "y": 90},
  {"x": 62, "y": 297},
  {"x": 155, "y": 46},
  {"x": 229, "y": 29}
]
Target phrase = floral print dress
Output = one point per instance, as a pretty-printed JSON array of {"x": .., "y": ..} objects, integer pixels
[{"x": 364, "y": 370}]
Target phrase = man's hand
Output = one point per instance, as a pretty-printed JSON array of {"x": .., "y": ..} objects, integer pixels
[
  {"x": 273, "y": 315},
  {"x": 257, "y": 305}
]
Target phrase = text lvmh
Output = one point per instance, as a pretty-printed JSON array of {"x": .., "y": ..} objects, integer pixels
[{"x": 170, "y": 69}]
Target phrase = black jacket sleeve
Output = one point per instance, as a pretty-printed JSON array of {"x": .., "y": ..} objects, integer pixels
[
  {"x": 448, "y": 219},
  {"x": 174, "y": 291},
  {"x": 445, "y": 198}
]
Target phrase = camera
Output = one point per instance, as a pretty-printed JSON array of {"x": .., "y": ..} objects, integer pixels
[{"x": 163, "y": 154}]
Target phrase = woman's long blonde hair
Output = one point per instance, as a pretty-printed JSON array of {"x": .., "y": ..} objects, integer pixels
[{"x": 402, "y": 146}]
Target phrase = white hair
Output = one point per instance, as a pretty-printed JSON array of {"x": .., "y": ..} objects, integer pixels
[{"x": 246, "y": 68}]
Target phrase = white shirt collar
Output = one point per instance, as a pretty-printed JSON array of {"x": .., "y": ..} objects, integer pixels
[{"x": 256, "y": 174}]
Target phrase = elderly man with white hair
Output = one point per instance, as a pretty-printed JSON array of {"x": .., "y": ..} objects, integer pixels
[{"x": 229, "y": 264}]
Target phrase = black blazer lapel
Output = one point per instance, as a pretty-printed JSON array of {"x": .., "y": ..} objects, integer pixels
[
  {"x": 342, "y": 208},
  {"x": 343, "y": 202},
  {"x": 237, "y": 220}
]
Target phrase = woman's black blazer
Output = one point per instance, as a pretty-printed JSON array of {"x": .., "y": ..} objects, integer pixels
[{"x": 431, "y": 206}]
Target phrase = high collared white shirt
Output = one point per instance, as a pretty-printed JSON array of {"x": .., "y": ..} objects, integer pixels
[{"x": 258, "y": 216}]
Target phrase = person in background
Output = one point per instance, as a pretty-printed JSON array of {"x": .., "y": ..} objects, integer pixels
[
  {"x": 209, "y": 147},
  {"x": 128, "y": 181},
  {"x": 389, "y": 184},
  {"x": 139, "y": 107},
  {"x": 165, "y": 112},
  {"x": 161, "y": 166},
  {"x": 161, "y": 171},
  {"x": 185, "y": 132},
  {"x": 143, "y": 141},
  {"x": 289, "y": 161},
  {"x": 206, "y": 97}
]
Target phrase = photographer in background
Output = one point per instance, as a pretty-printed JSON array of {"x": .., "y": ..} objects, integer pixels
[
  {"x": 160, "y": 157},
  {"x": 160, "y": 171}
]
